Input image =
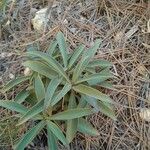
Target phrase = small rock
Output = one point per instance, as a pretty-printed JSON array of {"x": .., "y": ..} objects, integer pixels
[
  {"x": 7, "y": 23},
  {"x": 27, "y": 71},
  {"x": 80, "y": 4},
  {"x": 40, "y": 20},
  {"x": 145, "y": 114},
  {"x": 65, "y": 21},
  {"x": 5, "y": 54},
  {"x": 141, "y": 69},
  {"x": 82, "y": 19},
  {"x": 73, "y": 30},
  {"x": 11, "y": 76},
  {"x": 118, "y": 36}
]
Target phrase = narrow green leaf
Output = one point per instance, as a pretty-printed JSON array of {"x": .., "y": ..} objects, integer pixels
[
  {"x": 31, "y": 99},
  {"x": 72, "y": 101},
  {"x": 21, "y": 96},
  {"x": 14, "y": 82},
  {"x": 71, "y": 129},
  {"x": 86, "y": 128},
  {"x": 41, "y": 68},
  {"x": 13, "y": 106},
  {"x": 82, "y": 102},
  {"x": 89, "y": 91},
  {"x": 90, "y": 70},
  {"x": 29, "y": 136},
  {"x": 72, "y": 114},
  {"x": 61, "y": 94},
  {"x": 32, "y": 112},
  {"x": 71, "y": 124},
  {"x": 50, "y": 91},
  {"x": 97, "y": 77},
  {"x": 106, "y": 109},
  {"x": 100, "y": 63},
  {"x": 39, "y": 88},
  {"x": 91, "y": 51},
  {"x": 62, "y": 47},
  {"x": 77, "y": 53},
  {"x": 105, "y": 74},
  {"x": 52, "y": 142},
  {"x": 52, "y": 47},
  {"x": 85, "y": 60},
  {"x": 91, "y": 101},
  {"x": 51, "y": 61},
  {"x": 107, "y": 85},
  {"x": 79, "y": 68},
  {"x": 57, "y": 132}
]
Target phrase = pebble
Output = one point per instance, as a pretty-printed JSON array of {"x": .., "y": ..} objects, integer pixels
[
  {"x": 11, "y": 76},
  {"x": 27, "y": 71}
]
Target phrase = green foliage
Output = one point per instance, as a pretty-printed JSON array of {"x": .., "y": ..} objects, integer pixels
[
  {"x": 29, "y": 136},
  {"x": 61, "y": 91}
]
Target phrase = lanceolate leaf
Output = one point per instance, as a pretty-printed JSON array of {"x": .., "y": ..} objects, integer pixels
[
  {"x": 100, "y": 77},
  {"x": 52, "y": 142},
  {"x": 57, "y": 132},
  {"x": 89, "y": 91},
  {"x": 107, "y": 85},
  {"x": 72, "y": 114},
  {"x": 71, "y": 124},
  {"x": 61, "y": 94},
  {"x": 91, "y": 51},
  {"x": 20, "y": 98},
  {"x": 71, "y": 129},
  {"x": 41, "y": 68},
  {"x": 62, "y": 47},
  {"x": 52, "y": 47},
  {"x": 97, "y": 77},
  {"x": 31, "y": 99},
  {"x": 106, "y": 109},
  {"x": 14, "y": 106},
  {"x": 50, "y": 91},
  {"x": 86, "y": 128},
  {"x": 91, "y": 101},
  {"x": 79, "y": 68},
  {"x": 32, "y": 112},
  {"x": 77, "y": 53},
  {"x": 82, "y": 102},
  {"x": 72, "y": 101},
  {"x": 100, "y": 63},
  {"x": 15, "y": 82},
  {"x": 39, "y": 88},
  {"x": 90, "y": 70},
  {"x": 85, "y": 60},
  {"x": 29, "y": 136},
  {"x": 51, "y": 61}
]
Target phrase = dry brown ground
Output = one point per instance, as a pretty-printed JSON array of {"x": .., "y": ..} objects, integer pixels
[{"x": 124, "y": 27}]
